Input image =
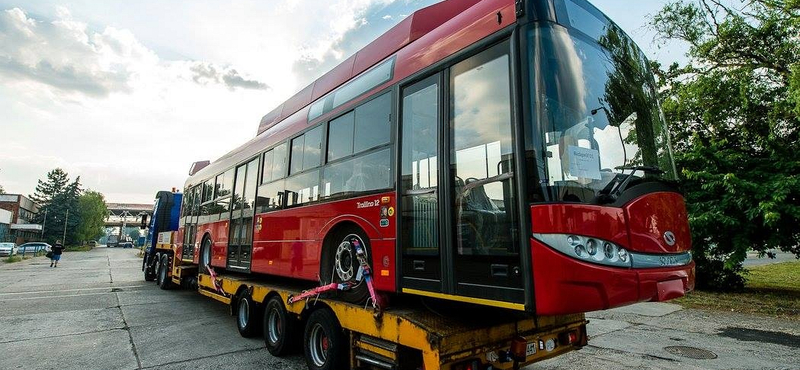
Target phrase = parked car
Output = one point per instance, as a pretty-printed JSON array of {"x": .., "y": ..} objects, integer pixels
[
  {"x": 8, "y": 249},
  {"x": 125, "y": 245},
  {"x": 33, "y": 247}
]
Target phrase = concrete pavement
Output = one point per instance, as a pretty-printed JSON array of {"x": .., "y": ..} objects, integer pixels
[{"x": 95, "y": 312}]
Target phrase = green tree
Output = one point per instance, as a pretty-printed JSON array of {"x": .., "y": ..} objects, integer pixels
[
  {"x": 734, "y": 113},
  {"x": 2, "y": 191},
  {"x": 134, "y": 235},
  {"x": 46, "y": 190},
  {"x": 57, "y": 199},
  {"x": 93, "y": 212}
]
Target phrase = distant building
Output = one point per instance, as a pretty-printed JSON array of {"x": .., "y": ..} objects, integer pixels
[
  {"x": 23, "y": 210},
  {"x": 5, "y": 226}
]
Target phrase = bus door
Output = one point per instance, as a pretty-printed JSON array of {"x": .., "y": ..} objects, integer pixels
[
  {"x": 484, "y": 220},
  {"x": 459, "y": 222},
  {"x": 421, "y": 262},
  {"x": 240, "y": 241},
  {"x": 192, "y": 206}
]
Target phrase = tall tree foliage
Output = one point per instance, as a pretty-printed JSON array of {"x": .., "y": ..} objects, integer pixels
[
  {"x": 734, "y": 111},
  {"x": 57, "y": 198},
  {"x": 93, "y": 212},
  {"x": 46, "y": 190}
]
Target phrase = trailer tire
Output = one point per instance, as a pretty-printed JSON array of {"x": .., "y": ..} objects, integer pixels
[
  {"x": 247, "y": 316},
  {"x": 280, "y": 336},
  {"x": 149, "y": 269},
  {"x": 164, "y": 281},
  {"x": 324, "y": 343}
]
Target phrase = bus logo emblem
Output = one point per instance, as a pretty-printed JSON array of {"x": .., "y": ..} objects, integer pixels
[{"x": 669, "y": 238}]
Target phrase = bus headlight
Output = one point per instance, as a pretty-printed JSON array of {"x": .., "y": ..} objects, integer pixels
[
  {"x": 591, "y": 247},
  {"x": 587, "y": 249},
  {"x": 623, "y": 255}
]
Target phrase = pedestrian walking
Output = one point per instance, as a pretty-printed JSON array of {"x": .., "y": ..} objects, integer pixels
[{"x": 56, "y": 250}]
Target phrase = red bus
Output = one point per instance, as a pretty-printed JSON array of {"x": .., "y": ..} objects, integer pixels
[{"x": 498, "y": 152}]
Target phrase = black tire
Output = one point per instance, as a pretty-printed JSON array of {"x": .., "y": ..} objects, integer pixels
[
  {"x": 280, "y": 335},
  {"x": 324, "y": 343},
  {"x": 149, "y": 270},
  {"x": 336, "y": 271},
  {"x": 163, "y": 280},
  {"x": 205, "y": 255},
  {"x": 248, "y": 316}
]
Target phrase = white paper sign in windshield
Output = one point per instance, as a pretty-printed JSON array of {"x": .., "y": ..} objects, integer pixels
[{"x": 584, "y": 163}]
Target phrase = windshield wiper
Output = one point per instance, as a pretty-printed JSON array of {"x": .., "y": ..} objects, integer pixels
[
  {"x": 646, "y": 169},
  {"x": 616, "y": 187}
]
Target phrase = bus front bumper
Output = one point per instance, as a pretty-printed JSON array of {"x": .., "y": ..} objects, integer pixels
[{"x": 564, "y": 285}]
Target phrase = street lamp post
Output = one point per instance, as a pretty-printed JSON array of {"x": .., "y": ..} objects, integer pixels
[
  {"x": 44, "y": 223},
  {"x": 64, "y": 237}
]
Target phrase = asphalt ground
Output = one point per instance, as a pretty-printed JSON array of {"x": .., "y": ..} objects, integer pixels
[{"x": 95, "y": 312}]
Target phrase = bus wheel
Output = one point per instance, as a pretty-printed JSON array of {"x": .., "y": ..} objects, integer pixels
[
  {"x": 340, "y": 264},
  {"x": 164, "y": 281},
  {"x": 279, "y": 328},
  {"x": 247, "y": 316},
  {"x": 149, "y": 269},
  {"x": 324, "y": 343},
  {"x": 205, "y": 255}
]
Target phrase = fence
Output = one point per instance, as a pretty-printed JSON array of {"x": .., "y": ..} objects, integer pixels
[{"x": 31, "y": 250}]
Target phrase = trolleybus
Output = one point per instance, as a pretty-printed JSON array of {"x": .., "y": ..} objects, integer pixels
[{"x": 498, "y": 152}]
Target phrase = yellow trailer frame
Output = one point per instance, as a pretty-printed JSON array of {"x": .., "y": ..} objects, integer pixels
[
  {"x": 442, "y": 341},
  {"x": 436, "y": 341}
]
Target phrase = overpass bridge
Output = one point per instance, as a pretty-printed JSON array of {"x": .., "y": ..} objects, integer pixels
[{"x": 127, "y": 214}]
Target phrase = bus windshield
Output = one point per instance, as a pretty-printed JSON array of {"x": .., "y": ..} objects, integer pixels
[{"x": 595, "y": 112}]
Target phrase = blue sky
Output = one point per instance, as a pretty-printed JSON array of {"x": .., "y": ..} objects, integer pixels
[{"x": 128, "y": 94}]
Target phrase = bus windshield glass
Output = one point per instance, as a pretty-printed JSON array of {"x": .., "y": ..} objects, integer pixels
[{"x": 595, "y": 113}]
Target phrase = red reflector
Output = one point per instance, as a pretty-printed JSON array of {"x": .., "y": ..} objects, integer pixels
[
  {"x": 568, "y": 337},
  {"x": 468, "y": 365},
  {"x": 519, "y": 346}
]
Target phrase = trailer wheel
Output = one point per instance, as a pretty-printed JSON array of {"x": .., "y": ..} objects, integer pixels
[
  {"x": 164, "y": 281},
  {"x": 247, "y": 316},
  {"x": 149, "y": 269},
  {"x": 279, "y": 328},
  {"x": 324, "y": 343}
]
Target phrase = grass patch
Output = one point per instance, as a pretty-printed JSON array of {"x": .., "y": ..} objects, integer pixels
[
  {"x": 12, "y": 259},
  {"x": 82, "y": 248},
  {"x": 772, "y": 290}
]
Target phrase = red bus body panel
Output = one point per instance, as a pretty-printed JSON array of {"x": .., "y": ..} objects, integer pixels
[
  {"x": 563, "y": 284},
  {"x": 651, "y": 216},
  {"x": 566, "y": 285},
  {"x": 283, "y": 234}
]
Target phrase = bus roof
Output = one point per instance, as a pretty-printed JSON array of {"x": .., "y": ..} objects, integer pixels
[{"x": 409, "y": 29}]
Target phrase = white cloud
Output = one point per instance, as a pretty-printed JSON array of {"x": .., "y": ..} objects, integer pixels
[
  {"x": 349, "y": 31},
  {"x": 103, "y": 106},
  {"x": 64, "y": 54},
  {"x": 128, "y": 99}
]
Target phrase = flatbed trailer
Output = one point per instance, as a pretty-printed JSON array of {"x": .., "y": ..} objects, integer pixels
[{"x": 338, "y": 335}]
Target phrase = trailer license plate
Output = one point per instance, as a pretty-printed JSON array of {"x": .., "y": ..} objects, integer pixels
[{"x": 530, "y": 350}]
